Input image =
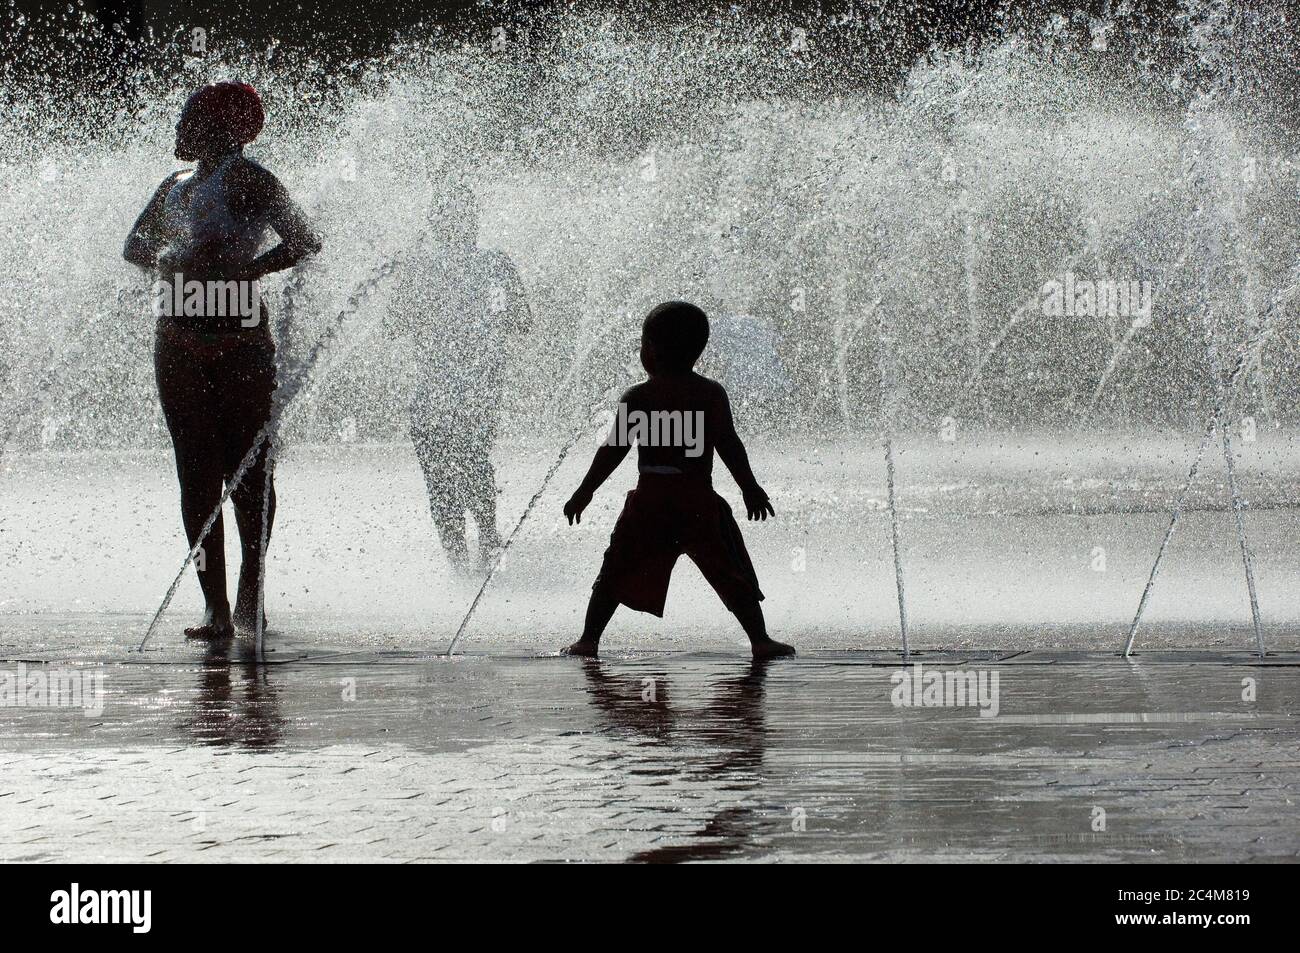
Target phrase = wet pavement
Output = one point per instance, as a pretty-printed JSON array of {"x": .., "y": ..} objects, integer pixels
[
  {"x": 345, "y": 755},
  {"x": 1008, "y": 540}
]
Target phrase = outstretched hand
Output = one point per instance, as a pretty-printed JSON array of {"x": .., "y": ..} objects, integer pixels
[
  {"x": 577, "y": 503},
  {"x": 757, "y": 505}
]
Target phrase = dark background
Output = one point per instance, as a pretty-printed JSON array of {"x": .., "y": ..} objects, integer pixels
[
  {"x": 99, "y": 47},
  {"x": 102, "y": 71},
  {"x": 889, "y": 32}
]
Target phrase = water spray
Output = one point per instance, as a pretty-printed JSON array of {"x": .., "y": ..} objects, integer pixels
[
  {"x": 269, "y": 432},
  {"x": 44, "y": 389},
  {"x": 577, "y": 434},
  {"x": 1016, "y": 317},
  {"x": 260, "y": 626},
  {"x": 1216, "y": 419},
  {"x": 885, "y": 359},
  {"x": 1125, "y": 342},
  {"x": 1169, "y": 532},
  {"x": 1239, "y": 509},
  {"x": 1238, "y": 504}
]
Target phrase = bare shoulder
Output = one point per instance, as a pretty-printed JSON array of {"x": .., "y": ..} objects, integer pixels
[
  {"x": 166, "y": 185},
  {"x": 256, "y": 188},
  {"x": 710, "y": 387},
  {"x": 499, "y": 267},
  {"x": 635, "y": 394},
  {"x": 496, "y": 259},
  {"x": 253, "y": 173}
]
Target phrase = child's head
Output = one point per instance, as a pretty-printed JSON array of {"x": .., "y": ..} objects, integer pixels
[{"x": 673, "y": 337}]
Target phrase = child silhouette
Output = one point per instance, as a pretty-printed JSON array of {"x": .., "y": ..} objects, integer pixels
[
  {"x": 461, "y": 306},
  {"x": 677, "y": 418}
]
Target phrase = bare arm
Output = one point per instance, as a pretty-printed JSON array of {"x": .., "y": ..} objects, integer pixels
[
  {"x": 298, "y": 240},
  {"x": 603, "y": 465},
  {"x": 144, "y": 241},
  {"x": 732, "y": 451}
]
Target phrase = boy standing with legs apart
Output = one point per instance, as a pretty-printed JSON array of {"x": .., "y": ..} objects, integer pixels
[{"x": 677, "y": 418}]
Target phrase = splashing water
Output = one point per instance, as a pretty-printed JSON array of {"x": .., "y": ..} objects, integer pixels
[
  {"x": 988, "y": 173},
  {"x": 624, "y": 161},
  {"x": 268, "y": 436}
]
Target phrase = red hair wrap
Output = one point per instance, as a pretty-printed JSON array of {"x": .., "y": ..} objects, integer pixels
[{"x": 233, "y": 107}]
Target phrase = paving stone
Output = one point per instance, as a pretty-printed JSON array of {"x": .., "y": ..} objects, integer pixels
[{"x": 799, "y": 760}]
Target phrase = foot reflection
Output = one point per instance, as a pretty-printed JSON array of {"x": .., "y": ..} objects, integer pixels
[
  {"x": 722, "y": 743},
  {"x": 735, "y": 720},
  {"x": 637, "y": 704},
  {"x": 236, "y": 702},
  {"x": 641, "y": 703}
]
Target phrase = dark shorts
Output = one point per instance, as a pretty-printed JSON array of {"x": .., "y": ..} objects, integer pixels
[
  {"x": 216, "y": 387},
  {"x": 662, "y": 519}
]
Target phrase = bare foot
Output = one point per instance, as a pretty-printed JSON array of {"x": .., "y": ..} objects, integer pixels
[
  {"x": 462, "y": 567},
  {"x": 771, "y": 649},
  {"x": 215, "y": 625},
  {"x": 581, "y": 649}
]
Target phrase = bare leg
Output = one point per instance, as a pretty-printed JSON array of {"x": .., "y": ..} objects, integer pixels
[
  {"x": 186, "y": 397},
  {"x": 482, "y": 498},
  {"x": 750, "y": 616},
  {"x": 599, "y": 611},
  {"x": 247, "y": 407},
  {"x": 215, "y": 402},
  {"x": 436, "y": 456},
  {"x": 198, "y": 470},
  {"x": 200, "y": 492},
  {"x": 247, "y": 499}
]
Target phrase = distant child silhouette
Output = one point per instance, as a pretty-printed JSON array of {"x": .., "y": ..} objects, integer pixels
[
  {"x": 677, "y": 418},
  {"x": 462, "y": 307}
]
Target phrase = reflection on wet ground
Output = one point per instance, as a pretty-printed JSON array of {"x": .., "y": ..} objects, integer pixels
[
  {"x": 236, "y": 701},
  {"x": 203, "y": 755}
]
